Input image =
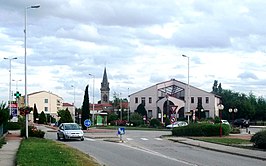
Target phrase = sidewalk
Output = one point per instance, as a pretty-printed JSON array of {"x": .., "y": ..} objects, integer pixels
[
  {"x": 257, "y": 154},
  {"x": 9, "y": 150}
]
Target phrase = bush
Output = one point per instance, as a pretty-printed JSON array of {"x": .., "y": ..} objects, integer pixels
[
  {"x": 120, "y": 122},
  {"x": 13, "y": 126},
  {"x": 202, "y": 129},
  {"x": 259, "y": 139},
  {"x": 167, "y": 122},
  {"x": 235, "y": 130},
  {"x": 136, "y": 119},
  {"x": 32, "y": 132},
  {"x": 155, "y": 123}
]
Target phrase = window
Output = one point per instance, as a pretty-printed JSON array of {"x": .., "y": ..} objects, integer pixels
[
  {"x": 45, "y": 100},
  {"x": 192, "y": 99},
  {"x": 136, "y": 100},
  {"x": 207, "y": 100},
  {"x": 199, "y": 99},
  {"x": 150, "y": 100},
  {"x": 46, "y": 109},
  {"x": 143, "y": 100},
  {"x": 149, "y": 114}
]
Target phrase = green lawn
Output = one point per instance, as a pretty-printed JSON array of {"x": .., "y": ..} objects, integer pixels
[
  {"x": 44, "y": 152},
  {"x": 225, "y": 141}
]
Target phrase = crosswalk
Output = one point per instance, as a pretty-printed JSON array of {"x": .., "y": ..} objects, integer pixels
[{"x": 130, "y": 139}]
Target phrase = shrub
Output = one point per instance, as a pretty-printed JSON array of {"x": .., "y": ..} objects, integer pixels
[
  {"x": 13, "y": 126},
  {"x": 155, "y": 123},
  {"x": 259, "y": 139},
  {"x": 136, "y": 119},
  {"x": 120, "y": 122},
  {"x": 235, "y": 130},
  {"x": 32, "y": 132},
  {"x": 167, "y": 122},
  {"x": 202, "y": 129}
]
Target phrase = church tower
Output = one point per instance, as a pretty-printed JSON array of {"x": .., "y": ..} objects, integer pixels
[{"x": 105, "y": 89}]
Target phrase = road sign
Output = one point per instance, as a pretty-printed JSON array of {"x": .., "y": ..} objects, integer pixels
[
  {"x": 172, "y": 120},
  {"x": 121, "y": 131},
  {"x": 87, "y": 123}
]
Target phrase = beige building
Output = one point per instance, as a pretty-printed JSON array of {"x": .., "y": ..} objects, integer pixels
[
  {"x": 164, "y": 99},
  {"x": 45, "y": 101}
]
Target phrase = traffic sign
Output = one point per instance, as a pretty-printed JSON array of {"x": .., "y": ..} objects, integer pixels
[
  {"x": 87, "y": 123},
  {"x": 172, "y": 120},
  {"x": 121, "y": 131}
]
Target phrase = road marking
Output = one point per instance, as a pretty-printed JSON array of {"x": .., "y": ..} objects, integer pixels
[
  {"x": 159, "y": 139},
  {"x": 144, "y": 139},
  {"x": 159, "y": 154},
  {"x": 129, "y": 139},
  {"x": 89, "y": 139}
]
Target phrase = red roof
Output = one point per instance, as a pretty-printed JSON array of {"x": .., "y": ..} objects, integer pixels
[{"x": 67, "y": 105}]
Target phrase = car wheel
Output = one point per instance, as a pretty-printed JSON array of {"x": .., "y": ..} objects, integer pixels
[
  {"x": 82, "y": 139},
  {"x": 58, "y": 138},
  {"x": 64, "y": 137}
]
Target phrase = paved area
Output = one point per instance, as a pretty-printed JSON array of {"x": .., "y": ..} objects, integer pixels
[{"x": 9, "y": 151}]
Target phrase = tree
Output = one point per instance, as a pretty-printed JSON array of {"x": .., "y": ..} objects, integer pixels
[
  {"x": 4, "y": 113},
  {"x": 136, "y": 119},
  {"x": 65, "y": 116},
  {"x": 42, "y": 119},
  {"x": 141, "y": 110},
  {"x": 35, "y": 114},
  {"x": 214, "y": 87},
  {"x": 85, "y": 108}
]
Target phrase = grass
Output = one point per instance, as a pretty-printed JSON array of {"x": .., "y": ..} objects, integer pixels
[
  {"x": 44, "y": 152},
  {"x": 224, "y": 141}
]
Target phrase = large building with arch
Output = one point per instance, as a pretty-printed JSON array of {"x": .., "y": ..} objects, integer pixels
[{"x": 165, "y": 98}]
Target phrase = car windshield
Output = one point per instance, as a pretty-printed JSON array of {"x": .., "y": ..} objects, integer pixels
[{"x": 72, "y": 127}]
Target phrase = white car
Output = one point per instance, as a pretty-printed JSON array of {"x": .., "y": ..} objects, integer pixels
[
  {"x": 177, "y": 124},
  {"x": 70, "y": 131},
  {"x": 225, "y": 122}
]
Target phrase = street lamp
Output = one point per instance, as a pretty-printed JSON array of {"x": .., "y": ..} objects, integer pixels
[
  {"x": 10, "y": 96},
  {"x": 25, "y": 60},
  {"x": 93, "y": 98},
  {"x": 220, "y": 108},
  {"x": 232, "y": 111},
  {"x": 74, "y": 102},
  {"x": 17, "y": 83},
  {"x": 188, "y": 88}
]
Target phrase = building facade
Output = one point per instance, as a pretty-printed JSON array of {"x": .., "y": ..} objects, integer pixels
[
  {"x": 45, "y": 101},
  {"x": 105, "y": 89},
  {"x": 167, "y": 99}
]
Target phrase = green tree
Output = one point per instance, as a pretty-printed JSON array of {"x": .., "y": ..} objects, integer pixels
[
  {"x": 4, "y": 113},
  {"x": 65, "y": 116},
  {"x": 136, "y": 119},
  {"x": 141, "y": 110},
  {"x": 35, "y": 114},
  {"x": 42, "y": 118},
  {"x": 214, "y": 87},
  {"x": 112, "y": 117},
  {"x": 85, "y": 108}
]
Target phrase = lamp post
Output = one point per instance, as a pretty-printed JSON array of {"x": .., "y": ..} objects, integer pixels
[
  {"x": 17, "y": 83},
  {"x": 128, "y": 105},
  {"x": 9, "y": 93},
  {"x": 232, "y": 111},
  {"x": 25, "y": 60},
  {"x": 93, "y": 98},
  {"x": 74, "y": 102},
  {"x": 188, "y": 88},
  {"x": 220, "y": 108}
]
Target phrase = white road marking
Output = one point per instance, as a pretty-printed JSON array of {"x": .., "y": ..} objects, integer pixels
[
  {"x": 89, "y": 139},
  {"x": 159, "y": 139},
  {"x": 144, "y": 139},
  {"x": 129, "y": 139},
  {"x": 158, "y": 154}
]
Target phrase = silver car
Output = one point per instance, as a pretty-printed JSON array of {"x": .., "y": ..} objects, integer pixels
[{"x": 70, "y": 131}]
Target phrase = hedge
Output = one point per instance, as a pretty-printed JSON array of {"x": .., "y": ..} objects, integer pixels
[
  {"x": 259, "y": 139},
  {"x": 203, "y": 129}
]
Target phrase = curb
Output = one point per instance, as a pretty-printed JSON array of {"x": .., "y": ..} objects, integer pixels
[{"x": 223, "y": 151}]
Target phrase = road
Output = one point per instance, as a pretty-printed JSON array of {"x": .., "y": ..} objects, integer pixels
[{"x": 147, "y": 148}]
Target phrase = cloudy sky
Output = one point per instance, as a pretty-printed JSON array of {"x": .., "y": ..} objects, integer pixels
[{"x": 140, "y": 42}]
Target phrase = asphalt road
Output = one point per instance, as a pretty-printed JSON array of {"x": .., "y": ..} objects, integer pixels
[{"x": 147, "y": 148}]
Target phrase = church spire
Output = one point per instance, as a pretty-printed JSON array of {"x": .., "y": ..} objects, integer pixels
[{"x": 105, "y": 88}]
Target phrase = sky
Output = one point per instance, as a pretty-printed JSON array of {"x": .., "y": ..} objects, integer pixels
[{"x": 140, "y": 42}]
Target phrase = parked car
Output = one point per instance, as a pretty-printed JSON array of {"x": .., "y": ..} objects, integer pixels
[
  {"x": 241, "y": 122},
  {"x": 225, "y": 122},
  {"x": 70, "y": 131},
  {"x": 176, "y": 124}
]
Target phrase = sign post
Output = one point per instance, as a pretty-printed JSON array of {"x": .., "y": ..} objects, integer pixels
[
  {"x": 121, "y": 131},
  {"x": 87, "y": 123}
]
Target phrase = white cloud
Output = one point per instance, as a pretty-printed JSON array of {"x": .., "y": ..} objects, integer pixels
[{"x": 140, "y": 43}]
